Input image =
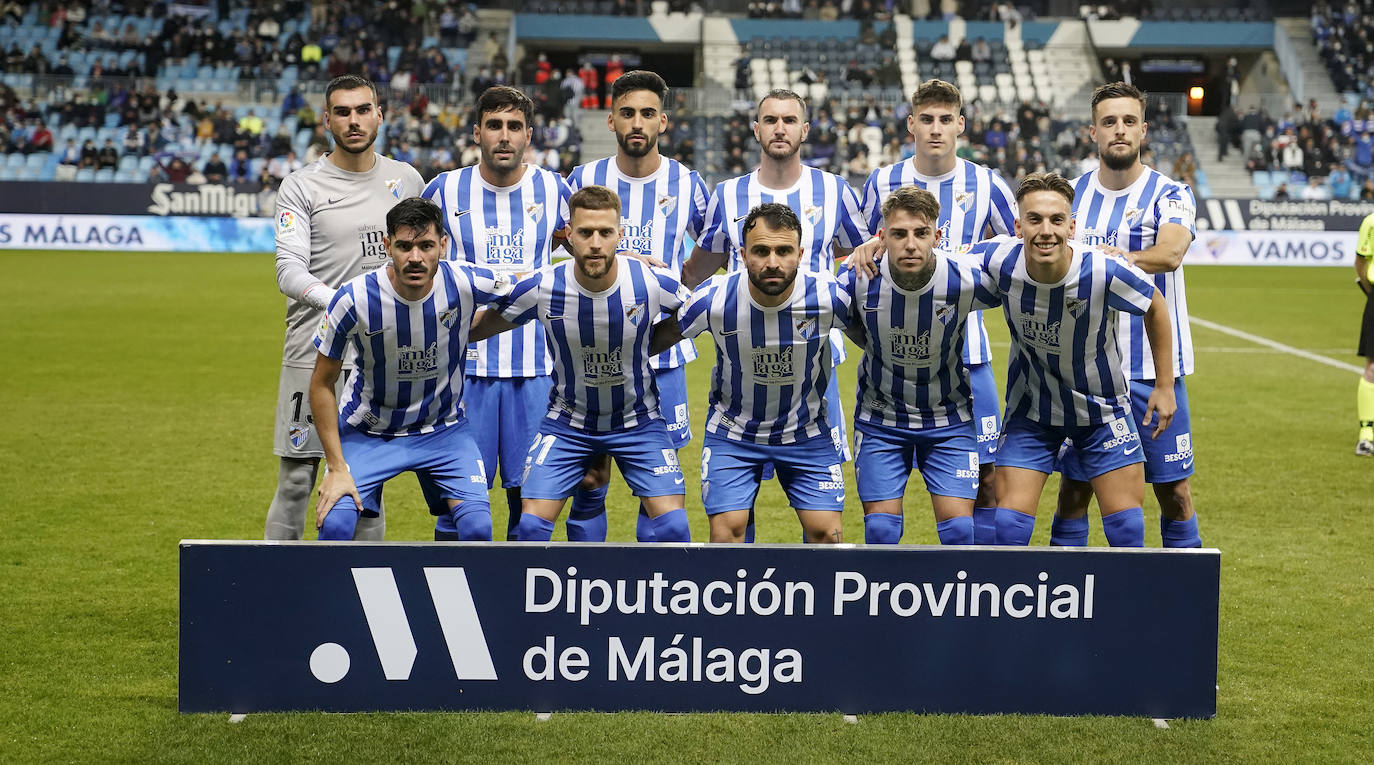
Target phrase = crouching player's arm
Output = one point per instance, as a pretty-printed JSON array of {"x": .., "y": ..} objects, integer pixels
[
  {"x": 1161, "y": 405},
  {"x": 338, "y": 482}
]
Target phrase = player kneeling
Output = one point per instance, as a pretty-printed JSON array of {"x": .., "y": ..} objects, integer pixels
[
  {"x": 408, "y": 325},
  {"x": 914, "y": 395},
  {"x": 1065, "y": 380},
  {"x": 598, "y": 312}
]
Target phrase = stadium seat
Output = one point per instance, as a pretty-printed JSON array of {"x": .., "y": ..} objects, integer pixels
[
  {"x": 105, "y": 175},
  {"x": 85, "y": 175},
  {"x": 37, "y": 159},
  {"x": 15, "y": 160}
]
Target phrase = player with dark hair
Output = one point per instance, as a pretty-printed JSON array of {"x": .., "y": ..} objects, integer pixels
[
  {"x": 824, "y": 203},
  {"x": 662, "y": 204},
  {"x": 598, "y": 312},
  {"x": 975, "y": 203},
  {"x": 1364, "y": 394},
  {"x": 504, "y": 215},
  {"x": 407, "y": 325},
  {"x": 770, "y": 322},
  {"x": 330, "y": 226},
  {"x": 1064, "y": 383},
  {"x": 914, "y": 395},
  {"x": 1135, "y": 212}
]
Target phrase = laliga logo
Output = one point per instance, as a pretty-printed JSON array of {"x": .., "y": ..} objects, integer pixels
[{"x": 391, "y": 635}]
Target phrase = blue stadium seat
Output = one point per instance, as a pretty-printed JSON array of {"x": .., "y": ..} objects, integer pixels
[
  {"x": 128, "y": 162},
  {"x": 104, "y": 175},
  {"x": 85, "y": 175},
  {"x": 37, "y": 159},
  {"x": 15, "y": 160},
  {"x": 145, "y": 165},
  {"x": 8, "y": 173}
]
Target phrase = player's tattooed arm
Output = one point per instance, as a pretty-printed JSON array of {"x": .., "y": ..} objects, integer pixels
[
  {"x": 701, "y": 265},
  {"x": 487, "y": 322},
  {"x": 667, "y": 333},
  {"x": 1171, "y": 244},
  {"x": 1161, "y": 405},
  {"x": 338, "y": 482},
  {"x": 865, "y": 257}
]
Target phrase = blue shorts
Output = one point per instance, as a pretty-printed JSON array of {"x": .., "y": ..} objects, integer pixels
[
  {"x": 947, "y": 458},
  {"x": 987, "y": 413},
  {"x": 506, "y": 411},
  {"x": 834, "y": 414},
  {"x": 1102, "y": 448},
  {"x": 672, "y": 403},
  {"x": 1168, "y": 458},
  {"x": 808, "y": 470},
  {"x": 560, "y": 455},
  {"x": 446, "y": 462}
]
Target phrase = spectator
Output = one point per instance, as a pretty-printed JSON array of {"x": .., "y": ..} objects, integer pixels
[
  {"x": 41, "y": 140},
  {"x": 1367, "y": 190},
  {"x": 251, "y": 124},
  {"x": 943, "y": 50},
  {"x": 108, "y": 156},
  {"x": 280, "y": 167},
  {"x": 215, "y": 170},
  {"x": 982, "y": 51},
  {"x": 1340, "y": 182},
  {"x": 1315, "y": 190},
  {"x": 241, "y": 167},
  {"x": 1185, "y": 169},
  {"x": 1281, "y": 192},
  {"x": 90, "y": 156},
  {"x": 70, "y": 154}
]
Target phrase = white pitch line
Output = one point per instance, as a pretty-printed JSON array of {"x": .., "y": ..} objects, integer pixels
[{"x": 1300, "y": 353}]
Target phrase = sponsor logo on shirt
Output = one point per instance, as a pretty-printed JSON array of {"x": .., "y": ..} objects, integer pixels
[
  {"x": 670, "y": 464},
  {"x": 636, "y": 238},
  {"x": 773, "y": 366},
  {"x": 505, "y": 249},
  {"x": 286, "y": 222},
  {"x": 1183, "y": 449},
  {"x": 836, "y": 481},
  {"x": 972, "y": 470},
  {"x": 417, "y": 363},
  {"x": 600, "y": 368},
  {"x": 1121, "y": 434},
  {"x": 910, "y": 349},
  {"x": 1040, "y": 334}
]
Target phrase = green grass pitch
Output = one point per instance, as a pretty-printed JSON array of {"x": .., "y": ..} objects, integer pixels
[{"x": 139, "y": 391}]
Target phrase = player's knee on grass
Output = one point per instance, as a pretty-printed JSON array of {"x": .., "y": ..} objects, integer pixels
[
  {"x": 587, "y": 516},
  {"x": 1179, "y": 534},
  {"x": 671, "y": 526},
  {"x": 955, "y": 531},
  {"x": 821, "y": 527},
  {"x": 1125, "y": 528},
  {"x": 882, "y": 528},
  {"x": 472, "y": 520},
  {"x": 1069, "y": 532},
  {"x": 532, "y": 528},
  {"x": 1014, "y": 527}
]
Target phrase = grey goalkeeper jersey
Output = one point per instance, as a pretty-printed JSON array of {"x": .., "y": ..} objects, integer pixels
[{"x": 330, "y": 224}]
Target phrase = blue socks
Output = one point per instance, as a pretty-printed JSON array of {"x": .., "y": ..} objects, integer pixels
[
  {"x": 587, "y": 518},
  {"x": 472, "y": 523},
  {"x": 1180, "y": 533},
  {"x": 513, "y": 509},
  {"x": 1069, "y": 532},
  {"x": 644, "y": 526},
  {"x": 749, "y": 528},
  {"x": 959, "y": 530},
  {"x": 532, "y": 528},
  {"x": 340, "y": 523},
  {"x": 984, "y": 525},
  {"x": 1014, "y": 528},
  {"x": 1125, "y": 528},
  {"x": 882, "y": 528},
  {"x": 670, "y": 527}
]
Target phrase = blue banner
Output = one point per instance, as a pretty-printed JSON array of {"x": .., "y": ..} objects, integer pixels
[
  {"x": 140, "y": 233},
  {"x": 697, "y": 628}
]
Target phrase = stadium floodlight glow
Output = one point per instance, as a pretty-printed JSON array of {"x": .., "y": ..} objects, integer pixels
[{"x": 1195, "y": 93}]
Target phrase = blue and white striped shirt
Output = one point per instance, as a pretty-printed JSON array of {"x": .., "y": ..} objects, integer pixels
[
  {"x": 1129, "y": 219},
  {"x": 825, "y": 203},
  {"x": 1065, "y": 368},
  {"x": 410, "y": 354},
  {"x": 661, "y": 215},
  {"x": 912, "y": 375},
  {"x": 600, "y": 341},
  {"x": 772, "y": 364},
  {"x": 972, "y": 199},
  {"x": 508, "y": 230}
]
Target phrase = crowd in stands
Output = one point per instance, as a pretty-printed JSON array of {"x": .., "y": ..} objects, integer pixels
[
  {"x": 1304, "y": 153},
  {"x": 1342, "y": 36}
]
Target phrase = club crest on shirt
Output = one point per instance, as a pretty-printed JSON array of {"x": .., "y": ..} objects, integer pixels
[
  {"x": 299, "y": 433},
  {"x": 813, "y": 213},
  {"x": 666, "y": 204},
  {"x": 447, "y": 317},
  {"x": 944, "y": 312},
  {"x": 964, "y": 200},
  {"x": 805, "y": 327},
  {"x": 633, "y": 314},
  {"x": 1075, "y": 306},
  {"x": 393, "y": 185},
  {"x": 1133, "y": 215},
  {"x": 534, "y": 212}
]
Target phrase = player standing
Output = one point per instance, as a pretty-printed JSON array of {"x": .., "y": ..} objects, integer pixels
[
  {"x": 598, "y": 312},
  {"x": 503, "y": 214},
  {"x": 331, "y": 220},
  {"x": 914, "y": 396},
  {"x": 832, "y": 222},
  {"x": 1064, "y": 382},
  {"x": 771, "y": 323},
  {"x": 407, "y": 325},
  {"x": 662, "y": 203},
  {"x": 1129, "y": 209},
  {"x": 1364, "y": 394},
  {"x": 975, "y": 203}
]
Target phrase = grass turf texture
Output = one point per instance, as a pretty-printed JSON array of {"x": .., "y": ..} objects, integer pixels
[{"x": 140, "y": 390}]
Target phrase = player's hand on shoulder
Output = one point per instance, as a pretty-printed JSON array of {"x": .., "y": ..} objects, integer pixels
[
  {"x": 645, "y": 258},
  {"x": 865, "y": 257},
  {"x": 1115, "y": 252}
]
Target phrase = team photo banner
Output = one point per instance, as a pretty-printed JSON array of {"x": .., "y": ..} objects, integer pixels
[
  {"x": 144, "y": 233},
  {"x": 695, "y": 628}
]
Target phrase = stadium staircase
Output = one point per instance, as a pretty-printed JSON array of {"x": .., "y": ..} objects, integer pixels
[
  {"x": 1316, "y": 80},
  {"x": 1227, "y": 178},
  {"x": 1072, "y": 68}
]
